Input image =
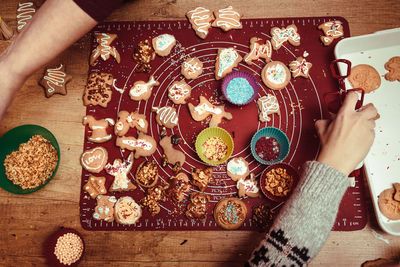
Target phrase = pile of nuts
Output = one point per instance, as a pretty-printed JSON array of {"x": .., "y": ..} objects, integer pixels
[{"x": 278, "y": 182}]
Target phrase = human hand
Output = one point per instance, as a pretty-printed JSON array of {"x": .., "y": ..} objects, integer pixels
[{"x": 347, "y": 139}]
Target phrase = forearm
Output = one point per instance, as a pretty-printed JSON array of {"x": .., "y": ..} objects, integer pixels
[{"x": 305, "y": 221}]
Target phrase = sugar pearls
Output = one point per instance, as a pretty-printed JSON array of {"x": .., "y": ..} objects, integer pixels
[{"x": 69, "y": 248}]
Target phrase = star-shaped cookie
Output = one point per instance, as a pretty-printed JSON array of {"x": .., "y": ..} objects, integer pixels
[{"x": 54, "y": 81}]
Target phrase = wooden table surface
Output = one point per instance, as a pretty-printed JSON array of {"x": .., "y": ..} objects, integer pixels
[{"x": 26, "y": 221}]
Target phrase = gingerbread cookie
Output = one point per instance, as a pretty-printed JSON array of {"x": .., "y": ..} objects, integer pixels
[
  {"x": 197, "y": 208},
  {"x": 178, "y": 92},
  {"x": 275, "y": 75},
  {"x": 200, "y": 18},
  {"x": 174, "y": 156},
  {"x": 142, "y": 90},
  {"x": 237, "y": 168},
  {"x": 99, "y": 128},
  {"x": 227, "y": 59},
  {"x": 147, "y": 174},
  {"x": 191, "y": 68},
  {"x": 55, "y": 80},
  {"x": 178, "y": 186},
  {"x": 98, "y": 90},
  {"x": 143, "y": 55},
  {"x": 120, "y": 169},
  {"x": 128, "y": 120},
  {"x": 364, "y": 76},
  {"x": 94, "y": 160},
  {"x": 163, "y": 44},
  {"x": 267, "y": 105},
  {"x": 332, "y": 31},
  {"x": 127, "y": 211},
  {"x": 396, "y": 195},
  {"x": 248, "y": 187},
  {"x": 300, "y": 67},
  {"x": 144, "y": 145},
  {"x": 393, "y": 66},
  {"x": 25, "y": 13},
  {"x": 388, "y": 205},
  {"x": 104, "y": 209},
  {"x": 95, "y": 186},
  {"x": 166, "y": 116},
  {"x": 153, "y": 197},
  {"x": 227, "y": 19},
  {"x": 230, "y": 213},
  {"x": 288, "y": 34},
  {"x": 205, "y": 109},
  {"x": 104, "y": 49},
  {"x": 202, "y": 178},
  {"x": 258, "y": 49}
]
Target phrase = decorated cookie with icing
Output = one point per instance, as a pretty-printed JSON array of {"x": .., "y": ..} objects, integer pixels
[
  {"x": 120, "y": 169},
  {"x": 179, "y": 91},
  {"x": 267, "y": 105},
  {"x": 174, "y": 156},
  {"x": 237, "y": 168},
  {"x": 197, "y": 208},
  {"x": 275, "y": 75},
  {"x": 200, "y": 18},
  {"x": 332, "y": 31},
  {"x": 166, "y": 116},
  {"x": 227, "y": 19},
  {"x": 300, "y": 67},
  {"x": 258, "y": 49},
  {"x": 192, "y": 68},
  {"x": 128, "y": 120},
  {"x": 104, "y": 49},
  {"x": 178, "y": 186},
  {"x": 205, "y": 109},
  {"x": 230, "y": 213},
  {"x": 98, "y": 90},
  {"x": 25, "y": 13},
  {"x": 94, "y": 160},
  {"x": 227, "y": 59},
  {"x": 95, "y": 186},
  {"x": 104, "y": 209},
  {"x": 99, "y": 128},
  {"x": 141, "y": 90},
  {"x": 143, "y": 54},
  {"x": 288, "y": 34},
  {"x": 248, "y": 187},
  {"x": 127, "y": 211},
  {"x": 163, "y": 44},
  {"x": 144, "y": 145},
  {"x": 55, "y": 80}
]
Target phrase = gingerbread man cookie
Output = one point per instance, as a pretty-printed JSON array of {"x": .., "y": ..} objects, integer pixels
[
  {"x": 179, "y": 91},
  {"x": 143, "y": 55},
  {"x": 288, "y": 34},
  {"x": 142, "y": 90},
  {"x": 95, "y": 186},
  {"x": 202, "y": 178},
  {"x": 227, "y": 59},
  {"x": 163, "y": 44},
  {"x": 205, "y": 109},
  {"x": 178, "y": 186},
  {"x": 275, "y": 75},
  {"x": 393, "y": 66},
  {"x": 94, "y": 160},
  {"x": 258, "y": 49},
  {"x": 25, "y": 13},
  {"x": 173, "y": 155},
  {"x": 120, "y": 169},
  {"x": 248, "y": 187},
  {"x": 200, "y": 18},
  {"x": 332, "y": 31},
  {"x": 166, "y": 116},
  {"x": 98, "y": 90},
  {"x": 99, "y": 128},
  {"x": 55, "y": 80},
  {"x": 104, "y": 209},
  {"x": 127, "y": 211},
  {"x": 144, "y": 145},
  {"x": 237, "y": 168},
  {"x": 267, "y": 105},
  {"x": 227, "y": 19},
  {"x": 191, "y": 68},
  {"x": 104, "y": 49},
  {"x": 128, "y": 120},
  {"x": 300, "y": 67},
  {"x": 197, "y": 208}
]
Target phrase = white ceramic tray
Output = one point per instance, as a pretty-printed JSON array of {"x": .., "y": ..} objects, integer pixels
[{"x": 382, "y": 165}]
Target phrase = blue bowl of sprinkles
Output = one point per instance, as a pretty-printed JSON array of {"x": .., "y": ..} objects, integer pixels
[{"x": 240, "y": 88}]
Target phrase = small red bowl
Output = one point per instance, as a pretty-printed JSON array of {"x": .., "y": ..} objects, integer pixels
[{"x": 290, "y": 170}]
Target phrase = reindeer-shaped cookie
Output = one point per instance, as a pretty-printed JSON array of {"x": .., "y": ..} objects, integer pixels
[
  {"x": 120, "y": 169},
  {"x": 205, "y": 109},
  {"x": 99, "y": 128}
]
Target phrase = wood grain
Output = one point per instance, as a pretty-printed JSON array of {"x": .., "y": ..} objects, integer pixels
[{"x": 26, "y": 221}]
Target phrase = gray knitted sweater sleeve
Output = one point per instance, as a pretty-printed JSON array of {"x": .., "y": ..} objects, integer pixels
[{"x": 304, "y": 223}]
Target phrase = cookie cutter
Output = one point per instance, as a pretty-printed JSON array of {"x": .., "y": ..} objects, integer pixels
[{"x": 334, "y": 100}]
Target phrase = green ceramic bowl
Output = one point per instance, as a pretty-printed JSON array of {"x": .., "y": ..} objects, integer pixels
[{"x": 10, "y": 142}]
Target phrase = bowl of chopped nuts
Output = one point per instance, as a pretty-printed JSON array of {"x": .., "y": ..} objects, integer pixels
[
  {"x": 29, "y": 159},
  {"x": 278, "y": 181}
]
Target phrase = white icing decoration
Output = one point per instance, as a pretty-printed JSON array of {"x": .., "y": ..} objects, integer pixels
[
  {"x": 106, "y": 50},
  {"x": 200, "y": 19},
  {"x": 201, "y": 109},
  {"x": 249, "y": 186},
  {"x": 269, "y": 104},
  {"x": 237, "y": 167},
  {"x": 54, "y": 77},
  {"x": 86, "y": 162},
  {"x": 138, "y": 143},
  {"x": 227, "y": 58},
  {"x": 107, "y": 137},
  {"x": 120, "y": 126},
  {"x": 226, "y": 18},
  {"x": 178, "y": 91},
  {"x": 141, "y": 88},
  {"x": 189, "y": 67},
  {"x": 129, "y": 208},
  {"x": 164, "y": 41},
  {"x": 276, "y": 74},
  {"x": 167, "y": 114},
  {"x": 24, "y": 16}
]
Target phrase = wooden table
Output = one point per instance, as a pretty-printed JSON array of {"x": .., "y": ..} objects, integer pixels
[{"x": 26, "y": 221}]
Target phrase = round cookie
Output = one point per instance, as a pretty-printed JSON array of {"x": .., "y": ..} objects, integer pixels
[
  {"x": 237, "y": 168},
  {"x": 127, "y": 211},
  {"x": 166, "y": 116},
  {"x": 179, "y": 92},
  {"x": 364, "y": 76},
  {"x": 388, "y": 205},
  {"x": 191, "y": 68},
  {"x": 94, "y": 160},
  {"x": 275, "y": 75},
  {"x": 230, "y": 213}
]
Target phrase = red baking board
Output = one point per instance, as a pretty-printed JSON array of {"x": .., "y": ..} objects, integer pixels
[{"x": 300, "y": 105}]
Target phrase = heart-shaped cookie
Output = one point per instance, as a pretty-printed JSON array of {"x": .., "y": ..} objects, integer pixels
[{"x": 94, "y": 160}]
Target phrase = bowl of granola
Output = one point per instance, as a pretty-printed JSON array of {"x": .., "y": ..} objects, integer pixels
[{"x": 29, "y": 158}]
